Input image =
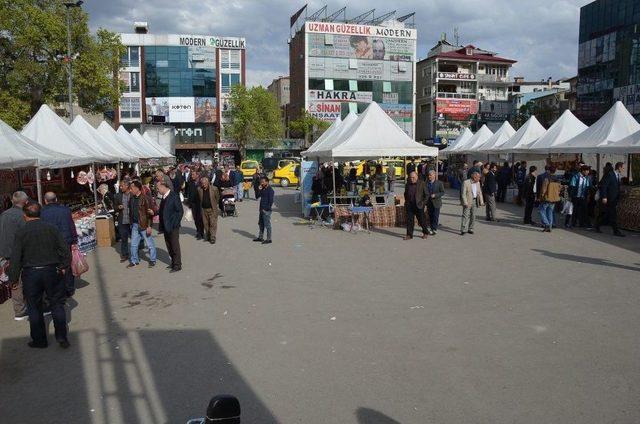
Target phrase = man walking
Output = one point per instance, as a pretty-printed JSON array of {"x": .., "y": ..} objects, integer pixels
[
  {"x": 11, "y": 221},
  {"x": 470, "y": 199},
  {"x": 121, "y": 208},
  {"x": 41, "y": 255},
  {"x": 170, "y": 216},
  {"x": 208, "y": 197},
  {"x": 489, "y": 190},
  {"x": 141, "y": 212},
  {"x": 391, "y": 177},
  {"x": 579, "y": 187},
  {"x": 193, "y": 201},
  {"x": 549, "y": 196},
  {"x": 415, "y": 196},
  {"x": 60, "y": 217},
  {"x": 504, "y": 179},
  {"x": 266, "y": 195},
  {"x": 609, "y": 196},
  {"x": 435, "y": 191},
  {"x": 238, "y": 179},
  {"x": 529, "y": 194}
]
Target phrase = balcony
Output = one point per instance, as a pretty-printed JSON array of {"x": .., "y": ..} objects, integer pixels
[
  {"x": 442, "y": 95},
  {"x": 493, "y": 79},
  {"x": 493, "y": 97}
]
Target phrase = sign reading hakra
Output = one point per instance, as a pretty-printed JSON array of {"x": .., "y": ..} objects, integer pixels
[
  {"x": 354, "y": 29},
  {"x": 341, "y": 96},
  {"x": 456, "y": 108},
  {"x": 456, "y": 76},
  {"x": 325, "y": 111}
]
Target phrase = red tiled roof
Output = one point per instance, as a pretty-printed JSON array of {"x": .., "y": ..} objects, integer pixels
[{"x": 462, "y": 55}]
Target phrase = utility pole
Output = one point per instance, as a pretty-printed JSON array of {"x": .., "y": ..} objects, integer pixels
[{"x": 69, "y": 58}]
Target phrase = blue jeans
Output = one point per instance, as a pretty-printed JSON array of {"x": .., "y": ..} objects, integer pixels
[
  {"x": 264, "y": 222},
  {"x": 239, "y": 191},
  {"x": 136, "y": 235},
  {"x": 546, "y": 213}
]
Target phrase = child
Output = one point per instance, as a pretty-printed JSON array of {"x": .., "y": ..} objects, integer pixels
[{"x": 246, "y": 186}]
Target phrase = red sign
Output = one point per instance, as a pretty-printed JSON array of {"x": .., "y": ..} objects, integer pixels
[{"x": 456, "y": 108}]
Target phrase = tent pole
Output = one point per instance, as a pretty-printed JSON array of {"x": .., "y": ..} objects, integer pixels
[
  {"x": 39, "y": 185},
  {"x": 95, "y": 182},
  {"x": 629, "y": 167},
  {"x": 333, "y": 173},
  {"x": 598, "y": 164},
  {"x": 119, "y": 177}
]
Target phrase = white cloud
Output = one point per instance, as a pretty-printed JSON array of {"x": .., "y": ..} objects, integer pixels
[{"x": 540, "y": 34}]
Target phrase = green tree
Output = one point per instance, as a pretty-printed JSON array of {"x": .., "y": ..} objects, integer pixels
[
  {"x": 33, "y": 70},
  {"x": 254, "y": 117},
  {"x": 307, "y": 125}
]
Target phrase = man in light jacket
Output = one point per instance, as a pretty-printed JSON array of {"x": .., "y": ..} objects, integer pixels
[{"x": 470, "y": 199}]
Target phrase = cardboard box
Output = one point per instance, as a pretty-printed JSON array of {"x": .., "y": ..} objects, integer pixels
[{"x": 105, "y": 232}]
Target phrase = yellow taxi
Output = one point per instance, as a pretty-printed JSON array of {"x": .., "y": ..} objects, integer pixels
[
  {"x": 398, "y": 165},
  {"x": 286, "y": 175},
  {"x": 248, "y": 168}
]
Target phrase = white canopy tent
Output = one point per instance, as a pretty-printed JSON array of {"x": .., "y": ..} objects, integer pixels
[
  {"x": 148, "y": 151},
  {"x": 48, "y": 130},
  {"x": 110, "y": 134},
  {"x": 374, "y": 135},
  {"x": 98, "y": 142},
  {"x": 565, "y": 128},
  {"x": 325, "y": 136},
  {"x": 500, "y": 137},
  {"x": 335, "y": 138},
  {"x": 18, "y": 151},
  {"x": 478, "y": 139},
  {"x": 526, "y": 135},
  {"x": 460, "y": 141},
  {"x": 613, "y": 126},
  {"x": 140, "y": 140},
  {"x": 628, "y": 145}
]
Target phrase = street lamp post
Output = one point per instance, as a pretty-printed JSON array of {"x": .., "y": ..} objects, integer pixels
[{"x": 69, "y": 59}]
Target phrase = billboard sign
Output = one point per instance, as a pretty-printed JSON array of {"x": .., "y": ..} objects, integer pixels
[
  {"x": 174, "y": 109},
  {"x": 368, "y": 70},
  {"x": 363, "y": 30},
  {"x": 361, "y": 47},
  {"x": 496, "y": 110},
  {"x": 341, "y": 96},
  {"x": 205, "y": 110},
  {"x": 456, "y": 108},
  {"x": 456, "y": 76},
  {"x": 325, "y": 111}
]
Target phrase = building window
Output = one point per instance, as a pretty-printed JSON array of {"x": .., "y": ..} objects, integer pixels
[
  {"x": 328, "y": 84},
  {"x": 328, "y": 39},
  {"x": 353, "y": 85},
  {"x": 386, "y": 87},
  {"x": 230, "y": 59},
  {"x": 131, "y": 82},
  {"x": 402, "y": 66},
  {"x": 353, "y": 63},
  {"x": 228, "y": 81},
  {"x": 131, "y": 57},
  {"x": 129, "y": 107}
]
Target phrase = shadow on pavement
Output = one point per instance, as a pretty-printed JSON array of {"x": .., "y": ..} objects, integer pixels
[
  {"x": 120, "y": 375},
  {"x": 585, "y": 259},
  {"x": 371, "y": 416},
  {"x": 244, "y": 233}
]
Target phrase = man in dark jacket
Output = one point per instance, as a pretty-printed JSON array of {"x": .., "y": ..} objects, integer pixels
[
  {"x": 435, "y": 191},
  {"x": 60, "y": 217},
  {"x": 415, "y": 197},
  {"x": 11, "y": 221},
  {"x": 504, "y": 179},
  {"x": 266, "y": 195},
  {"x": 209, "y": 198},
  {"x": 191, "y": 194},
  {"x": 121, "y": 208},
  {"x": 529, "y": 194},
  {"x": 170, "y": 216},
  {"x": 609, "y": 196},
  {"x": 489, "y": 190}
]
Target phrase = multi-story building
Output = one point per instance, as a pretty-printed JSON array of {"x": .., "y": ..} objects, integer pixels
[
  {"x": 182, "y": 81},
  {"x": 280, "y": 88},
  {"x": 340, "y": 65},
  {"x": 458, "y": 87},
  {"x": 608, "y": 58}
]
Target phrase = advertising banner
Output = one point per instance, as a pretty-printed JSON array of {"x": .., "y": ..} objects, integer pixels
[
  {"x": 376, "y": 70},
  {"x": 205, "y": 110},
  {"x": 174, "y": 109},
  {"x": 456, "y": 109},
  {"x": 308, "y": 169},
  {"x": 390, "y": 98},
  {"x": 341, "y": 96},
  {"x": 325, "y": 111},
  {"x": 361, "y": 47},
  {"x": 355, "y": 29},
  {"x": 200, "y": 57},
  {"x": 401, "y": 114},
  {"x": 496, "y": 110}
]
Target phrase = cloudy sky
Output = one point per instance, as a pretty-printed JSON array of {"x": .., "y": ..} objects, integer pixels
[{"x": 540, "y": 34}]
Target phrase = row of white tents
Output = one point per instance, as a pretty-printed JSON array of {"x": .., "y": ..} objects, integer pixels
[
  {"x": 370, "y": 135},
  {"x": 616, "y": 132},
  {"x": 47, "y": 141}
]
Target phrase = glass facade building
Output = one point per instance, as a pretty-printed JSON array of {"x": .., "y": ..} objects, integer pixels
[
  {"x": 182, "y": 81},
  {"x": 608, "y": 58}
]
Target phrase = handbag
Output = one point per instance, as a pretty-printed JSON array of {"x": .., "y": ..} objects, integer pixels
[
  {"x": 5, "y": 288},
  {"x": 79, "y": 263}
]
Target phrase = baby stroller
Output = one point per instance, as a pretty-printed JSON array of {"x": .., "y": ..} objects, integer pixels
[{"x": 229, "y": 203}]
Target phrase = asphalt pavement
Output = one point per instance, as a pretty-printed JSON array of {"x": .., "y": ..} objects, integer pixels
[{"x": 509, "y": 325}]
